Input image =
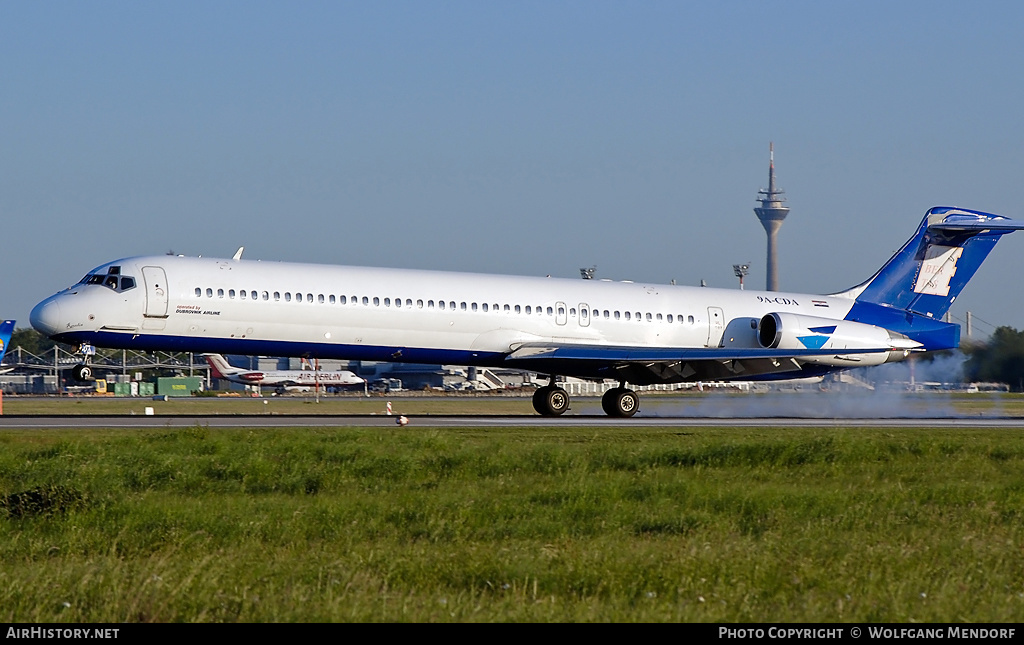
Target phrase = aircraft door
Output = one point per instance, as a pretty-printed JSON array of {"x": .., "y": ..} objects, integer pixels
[
  {"x": 156, "y": 292},
  {"x": 560, "y": 313},
  {"x": 584, "y": 315},
  {"x": 716, "y": 326}
]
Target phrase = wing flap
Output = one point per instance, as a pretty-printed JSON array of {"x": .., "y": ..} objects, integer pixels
[{"x": 650, "y": 365}]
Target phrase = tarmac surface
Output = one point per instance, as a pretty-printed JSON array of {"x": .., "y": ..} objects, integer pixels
[{"x": 486, "y": 421}]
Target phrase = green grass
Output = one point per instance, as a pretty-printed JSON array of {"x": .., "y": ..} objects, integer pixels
[{"x": 646, "y": 524}]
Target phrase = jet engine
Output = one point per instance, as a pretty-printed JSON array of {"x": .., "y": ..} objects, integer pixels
[{"x": 794, "y": 331}]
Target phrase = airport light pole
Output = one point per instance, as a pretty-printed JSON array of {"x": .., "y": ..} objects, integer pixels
[{"x": 741, "y": 270}]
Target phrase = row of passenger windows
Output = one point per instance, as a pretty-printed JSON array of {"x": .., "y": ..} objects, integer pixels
[{"x": 441, "y": 305}]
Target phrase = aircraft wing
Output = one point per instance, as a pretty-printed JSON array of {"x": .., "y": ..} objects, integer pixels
[
  {"x": 956, "y": 224},
  {"x": 651, "y": 365}
]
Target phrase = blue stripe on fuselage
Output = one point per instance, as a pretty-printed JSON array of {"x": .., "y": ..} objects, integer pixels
[{"x": 255, "y": 347}]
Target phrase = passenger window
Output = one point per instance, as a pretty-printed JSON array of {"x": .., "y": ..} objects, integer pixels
[
  {"x": 659, "y": 318},
  {"x": 616, "y": 315},
  {"x": 550, "y": 311},
  {"x": 517, "y": 309},
  {"x": 690, "y": 319},
  {"x": 398, "y": 302},
  {"x": 419, "y": 304},
  {"x": 266, "y": 295},
  {"x": 507, "y": 309},
  {"x": 627, "y": 316},
  {"x": 528, "y": 310},
  {"x": 287, "y": 296},
  {"x": 277, "y": 296},
  {"x": 572, "y": 311},
  {"x": 253, "y": 294},
  {"x": 320, "y": 298},
  {"x": 408, "y": 302},
  {"x": 462, "y": 306},
  {"x": 366, "y": 301},
  {"x": 344, "y": 300},
  {"x": 376, "y": 301},
  {"x": 670, "y": 318},
  {"x": 220, "y": 293},
  {"x": 241, "y": 294},
  {"x": 561, "y": 311},
  {"x": 199, "y": 292},
  {"x": 333, "y": 301},
  {"x": 231, "y": 294},
  {"x": 485, "y": 306},
  {"x": 387, "y": 302},
  {"x": 474, "y": 306},
  {"x": 451, "y": 305}
]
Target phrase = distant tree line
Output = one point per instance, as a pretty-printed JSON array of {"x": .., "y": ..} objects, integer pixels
[
  {"x": 1000, "y": 360},
  {"x": 31, "y": 341}
]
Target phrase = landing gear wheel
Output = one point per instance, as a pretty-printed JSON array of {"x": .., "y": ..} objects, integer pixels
[
  {"x": 620, "y": 402},
  {"x": 550, "y": 401},
  {"x": 81, "y": 373}
]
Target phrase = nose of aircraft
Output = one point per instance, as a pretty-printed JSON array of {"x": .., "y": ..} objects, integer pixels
[{"x": 45, "y": 317}]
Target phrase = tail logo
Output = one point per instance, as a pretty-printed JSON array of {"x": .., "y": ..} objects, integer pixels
[{"x": 937, "y": 269}]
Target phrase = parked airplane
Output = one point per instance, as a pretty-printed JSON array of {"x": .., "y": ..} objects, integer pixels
[
  {"x": 220, "y": 368},
  {"x": 634, "y": 333},
  {"x": 6, "y": 330}
]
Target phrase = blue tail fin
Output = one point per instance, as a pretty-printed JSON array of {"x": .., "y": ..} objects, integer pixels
[
  {"x": 6, "y": 329},
  {"x": 933, "y": 267}
]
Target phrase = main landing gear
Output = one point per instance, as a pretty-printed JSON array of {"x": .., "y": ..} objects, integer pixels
[
  {"x": 81, "y": 373},
  {"x": 552, "y": 401},
  {"x": 620, "y": 402}
]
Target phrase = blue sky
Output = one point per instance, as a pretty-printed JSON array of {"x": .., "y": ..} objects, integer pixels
[{"x": 507, "y": 137}]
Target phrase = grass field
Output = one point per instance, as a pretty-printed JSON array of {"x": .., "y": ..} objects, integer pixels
[{"x": 609, "y": 524}]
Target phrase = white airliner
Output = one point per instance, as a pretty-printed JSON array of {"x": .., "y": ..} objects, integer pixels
[
  {"x": 221, "y": 368},
  {"x": 634, "y": 333}
]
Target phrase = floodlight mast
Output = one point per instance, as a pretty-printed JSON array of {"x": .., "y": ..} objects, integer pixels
[{"x": 741, "y": 270}]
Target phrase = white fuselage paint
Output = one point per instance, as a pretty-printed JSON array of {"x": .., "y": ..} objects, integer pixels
[{"x": 165, "y": 304}]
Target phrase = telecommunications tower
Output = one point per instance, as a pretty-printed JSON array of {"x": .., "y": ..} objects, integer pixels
[{"x": 771, "y": 213}]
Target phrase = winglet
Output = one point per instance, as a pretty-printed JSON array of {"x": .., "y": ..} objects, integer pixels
[{"x": 6, "y": 329}]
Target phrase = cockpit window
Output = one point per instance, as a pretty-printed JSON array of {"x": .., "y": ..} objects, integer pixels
[{"x": 112, "y": 279}]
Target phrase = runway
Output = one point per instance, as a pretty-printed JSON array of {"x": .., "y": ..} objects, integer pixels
[{"x": 488, "y": 421}]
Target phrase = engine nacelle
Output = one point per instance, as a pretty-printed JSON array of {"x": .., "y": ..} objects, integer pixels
[{"x": 793, "y": 331}]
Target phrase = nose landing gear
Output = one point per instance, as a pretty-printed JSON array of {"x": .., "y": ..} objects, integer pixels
[{"x": 81, "y": 373}]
